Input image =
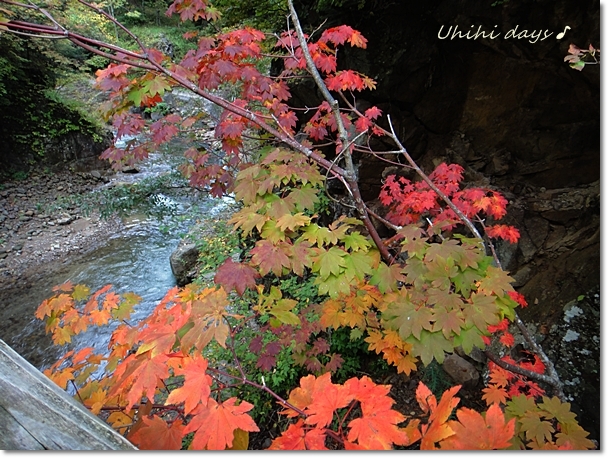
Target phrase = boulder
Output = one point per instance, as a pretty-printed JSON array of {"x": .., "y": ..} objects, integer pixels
[
  {"x": 183, "y": 262},
  {"x": 461, "y": 371}
]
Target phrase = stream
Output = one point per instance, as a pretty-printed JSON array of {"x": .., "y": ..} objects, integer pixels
[{"x": 134, "y": 260}]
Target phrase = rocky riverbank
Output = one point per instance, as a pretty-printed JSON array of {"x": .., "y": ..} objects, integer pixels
[{"x": 36, "y": 236}]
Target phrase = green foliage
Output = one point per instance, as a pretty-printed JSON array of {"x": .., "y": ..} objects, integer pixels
[
  {"x": 20, "y": 175},
  {"x": 146, "y": 196},
  {"x": 219, "y": 243},
  {"x": 32, "y": 114},
  {"x": 158, "y": 35},
  {"x": 435, "y": 378}
]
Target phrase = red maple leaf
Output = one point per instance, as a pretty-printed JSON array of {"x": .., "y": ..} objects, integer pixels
[
  {"x": 507, "y": 339},
  {"x": 270, "y": 257},
  {"x": 363, "y": 124},
  {"x": 502, "y": 326},
  {"x": 377, "y": 428},
  {"x": 236, "y": 275},
  {"x": 518, "y": 297},
  {"x": 508, "y": 233},
  {"x": 162, "y": 132},
  {"x": 346, "y": 80},
  {"x": 373, "y": 112},
  {"x": 339, "y": 35},
  {"x": 214, "y": 424},
  {"x": 326, "y": 399}
]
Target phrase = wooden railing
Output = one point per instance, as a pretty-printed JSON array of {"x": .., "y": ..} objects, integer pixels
[{"x": 35, "y": 414}]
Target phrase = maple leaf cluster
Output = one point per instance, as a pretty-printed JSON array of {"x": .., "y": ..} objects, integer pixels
[
  {"x": 321, "y": 401},
  {"x": 445, "y": 295},
  {"x": 409, "y": 202},
  {"x": 546, "y": 425},
  {"x": 504, "y": 384}
]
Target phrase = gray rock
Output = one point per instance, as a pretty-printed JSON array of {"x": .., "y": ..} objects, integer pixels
[
  {"x": 183, "y": 260},
  {"x": 461, "y": 371},
  {"x": 65, "y": 219}
]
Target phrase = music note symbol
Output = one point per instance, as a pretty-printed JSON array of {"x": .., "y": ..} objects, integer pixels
[{"x": 562, "y": 34}]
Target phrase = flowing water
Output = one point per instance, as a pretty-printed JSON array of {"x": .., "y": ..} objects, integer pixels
[{"x": 136, "y": 260}]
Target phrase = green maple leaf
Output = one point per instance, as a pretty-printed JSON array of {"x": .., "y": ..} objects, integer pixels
[
  {"x": 558, "y": 409},
  {"x": 519, "y": 405},
  {"x": 355, "y": 241},
  {"x": 272, "y": 231},
  {"x": 469, "y": 338},
  {"x": 158, "y": 85},
  {"x": 282, "y": 312},
  {"x": 386, "y": 277},
  {"x": 334, "y": 285},
  {"x": 266, "y": 186},
  {"x": 465, "y": 280},
  {"x": 447, "y": 320},
  {"x": 415, "y": 270},
  {"x": 247, "y": 188},
  {"x": 536, "y": 428},
  {"x": 414, "y": 244},
  {"x": 576, "y": 435},
  {"x": 291, "y": 222},
  {"x": 471, "y": 255},
  {"x": 303, "y": 198},
  {"x": 80, "y": 292},
  {"x": 496, "y": 281},
  {"x": 507, "y": 306},
  {"x": 449, "y": 249},
  {"x": 440, "y": 271},
  {"x": 123, "y": 312},
  {"x": 355, "y": 334},
  {"x": 444, "y": 298},
  {"x": 358, "y": 264},
  {"x": 481, "y": 312},
  {"x": 408, "y": 318},
  {"x": 319, "y": 235},
  {"x": 328, "y": 262},
  {"x": 277, "y": 207},
  {"x": 430, "y": 345},
  {"x": 135, "y": 96},
  {"x": 248, "y": 218}
]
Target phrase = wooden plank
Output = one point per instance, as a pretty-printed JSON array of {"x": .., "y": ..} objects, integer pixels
[{"x": 37, "y": 414}]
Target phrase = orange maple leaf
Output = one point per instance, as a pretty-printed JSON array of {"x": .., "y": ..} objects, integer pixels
[
  {"x": 197, "y": 384},
  {"x": 298, "y": 437},
  {"x": 437, "y": 429},
  {"x": 326, "y": 399},
  {"x": 139, "y": 375},
  {"x": 494, "y": 394},
  {"x": 474, "y": 432},
  {"x": 214, "y": 424},
  {"x": 377, "y": 428},
  {"x": 156, "y": 434}
]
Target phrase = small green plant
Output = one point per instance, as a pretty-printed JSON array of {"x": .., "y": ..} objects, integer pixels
[
  {"x": 20, "y": 175},
  {"x": 220, "y": 243}
]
